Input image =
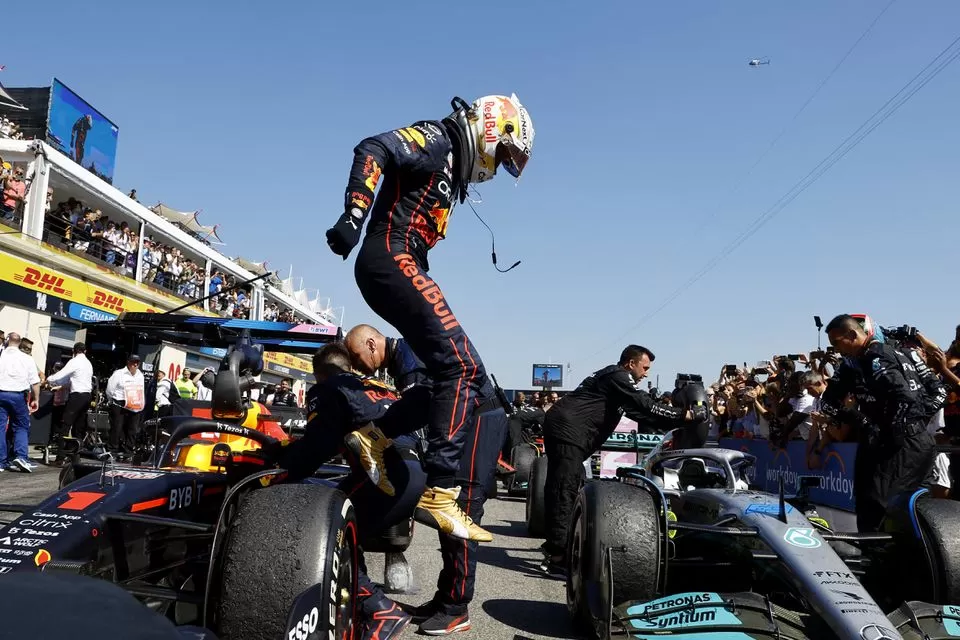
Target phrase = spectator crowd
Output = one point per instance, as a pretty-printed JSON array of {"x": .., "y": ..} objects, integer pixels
[
  {"x": 9, "y": 129},
  {"x": 778, "y": 400}
]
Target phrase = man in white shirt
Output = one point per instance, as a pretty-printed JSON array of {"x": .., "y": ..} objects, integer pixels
[
  {"x": 163, "y": 395},
  {"x": 126, "y": 397},
  {"x": 18, "y": 376},
  {"x": 78, "y": 375}
]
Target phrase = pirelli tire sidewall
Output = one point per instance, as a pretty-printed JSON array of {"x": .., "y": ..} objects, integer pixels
[
  {"x": 536, "y": 498},
  {"x": 283, "y": 540},
  {"x": 615, "y": 526},
  {"x": 939, "y": 522}
]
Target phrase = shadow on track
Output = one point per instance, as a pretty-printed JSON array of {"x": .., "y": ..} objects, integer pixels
[{"x": 548, "y": 619}]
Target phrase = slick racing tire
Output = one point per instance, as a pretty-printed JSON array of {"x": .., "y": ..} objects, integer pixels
[
  {"x": 76, "y": 468},
  {"x": 939, "y": 522},
  {"x": 615, "y": 526},
  {"x": 522, "y": 458},
  {"x": 536, "y": 500},
  {"x": 284, "y": 540}
]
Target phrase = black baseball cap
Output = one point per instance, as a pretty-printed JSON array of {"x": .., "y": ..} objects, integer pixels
[{"x": 133, "y": 358}]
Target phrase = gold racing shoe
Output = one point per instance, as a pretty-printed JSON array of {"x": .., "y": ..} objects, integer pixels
[
  {"x": 368, "y": 444},
  {"x": 438, "y": 509}
]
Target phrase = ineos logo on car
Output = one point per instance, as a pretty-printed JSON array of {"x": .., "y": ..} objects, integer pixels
[{"x": 801, "y": 537}]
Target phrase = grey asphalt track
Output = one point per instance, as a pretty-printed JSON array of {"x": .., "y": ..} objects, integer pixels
[{"x": 513, "y": 601}]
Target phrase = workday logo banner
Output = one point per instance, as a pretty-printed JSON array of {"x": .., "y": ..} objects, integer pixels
[{"x": 835, "y": 472}]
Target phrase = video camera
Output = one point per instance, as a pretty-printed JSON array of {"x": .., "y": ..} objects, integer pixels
[
  {"x": 901, "y": 333},
  {"x": 689, "y": 392}
]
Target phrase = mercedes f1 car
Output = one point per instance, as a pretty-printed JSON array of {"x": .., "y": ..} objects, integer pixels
[
  {"x": 678, "y": 546},
  {"x": 203, "y": 532}
]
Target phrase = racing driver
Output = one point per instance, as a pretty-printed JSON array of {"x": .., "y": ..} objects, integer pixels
[
  {"x": 338, "y": 404},
  {"x": 580, "y": 422},
  {"x": 896, "y": 401},
  {"x": 424, "y": 169}
]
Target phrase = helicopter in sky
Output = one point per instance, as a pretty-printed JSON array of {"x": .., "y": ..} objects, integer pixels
[{"x": 756, "y": 62}]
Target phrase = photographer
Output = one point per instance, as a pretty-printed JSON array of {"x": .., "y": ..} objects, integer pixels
[{"x": 896, "y": 452}]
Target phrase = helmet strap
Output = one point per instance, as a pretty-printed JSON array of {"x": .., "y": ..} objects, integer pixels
[{"x": 465, "y": 145}]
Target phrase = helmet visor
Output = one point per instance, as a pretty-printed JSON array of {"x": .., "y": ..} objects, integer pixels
[{"x": 511, "y": 157}]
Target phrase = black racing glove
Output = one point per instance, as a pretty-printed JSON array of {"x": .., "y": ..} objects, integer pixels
[
  {"x": 345, "y": 234},
  {"x": 700, "y": 413}
]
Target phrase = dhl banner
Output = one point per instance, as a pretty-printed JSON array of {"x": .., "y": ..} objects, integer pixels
[
  {"x": 282, "y": 363},
  {"x": 46, "y": 290},
  {"x": 54, "y": 288}
]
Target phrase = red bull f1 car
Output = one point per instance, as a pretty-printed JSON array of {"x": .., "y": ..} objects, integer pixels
[{"x": 202, "y": 532}]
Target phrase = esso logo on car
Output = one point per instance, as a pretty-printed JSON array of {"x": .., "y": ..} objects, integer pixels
[{"x": 306, "y": 626}]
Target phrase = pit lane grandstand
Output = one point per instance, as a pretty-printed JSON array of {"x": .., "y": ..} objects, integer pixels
[{"x": 57, "y": 272}]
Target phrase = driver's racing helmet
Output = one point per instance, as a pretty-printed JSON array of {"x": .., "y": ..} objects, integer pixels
[{"x": 501, "y": 133}]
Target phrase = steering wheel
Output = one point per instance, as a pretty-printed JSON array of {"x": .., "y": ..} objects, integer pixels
[{"x": 188, "y": 425}]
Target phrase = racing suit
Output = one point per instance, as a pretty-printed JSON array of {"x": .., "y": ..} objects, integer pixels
[
  {"x": 576, "y": 426},
  {"x": 896, "y": 399},
  {"x": 484, "y": 438},
  {"x": 407, "y": 218},
  {"x": 335, "y": 408}
]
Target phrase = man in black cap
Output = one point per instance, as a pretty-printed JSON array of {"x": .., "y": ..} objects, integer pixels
[{"x": 125, "y": 393}]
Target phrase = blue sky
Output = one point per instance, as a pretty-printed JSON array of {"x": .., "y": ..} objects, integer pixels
[{"x": 647, "y": 117}]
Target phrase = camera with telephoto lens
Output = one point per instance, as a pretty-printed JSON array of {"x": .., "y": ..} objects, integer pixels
[{"x": 902, "y": 333}]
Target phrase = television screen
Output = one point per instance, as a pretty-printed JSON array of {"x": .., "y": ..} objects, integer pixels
[
  {"x": 547, "y": 375},
  {"x": 81, "y": 132}
]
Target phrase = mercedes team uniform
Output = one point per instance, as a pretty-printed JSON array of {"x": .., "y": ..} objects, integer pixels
[
  {"x": 896, "y": 401},
  {"x": 577, "y": 425}
]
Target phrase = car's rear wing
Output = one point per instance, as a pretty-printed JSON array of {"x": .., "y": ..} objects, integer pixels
[{"x": 203, "y": 331}]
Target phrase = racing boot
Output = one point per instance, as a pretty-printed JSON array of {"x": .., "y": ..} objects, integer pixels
[
  {"x": 438, "y": 509},
  {"x": 386, "y": 623},
  {"x": 368, "y": 444},
  {"x": 443, "y": 624}
]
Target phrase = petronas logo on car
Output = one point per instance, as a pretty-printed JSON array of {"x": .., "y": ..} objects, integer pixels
[{"x": 801, "y": 538}]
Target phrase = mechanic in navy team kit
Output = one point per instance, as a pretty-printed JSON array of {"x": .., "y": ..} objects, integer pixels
[
  {"x": 371, "y": 351},
  {"x": 338, "y": 404},
  {"x": 580, "y": 422},
  {"x": 425, "y": 167},
  {"x": 896, "y": 452}
]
